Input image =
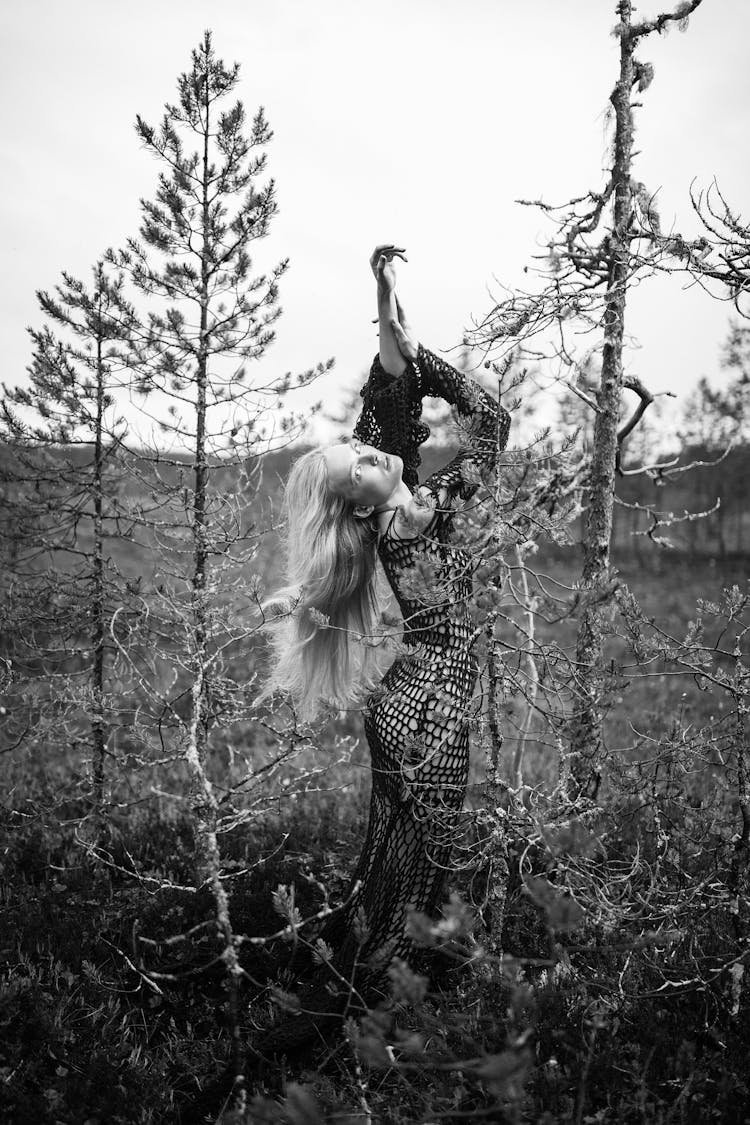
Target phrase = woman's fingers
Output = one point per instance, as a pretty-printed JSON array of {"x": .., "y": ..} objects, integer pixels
[
  {"x": 378, "y": 252},
  {"x": 387, "y": 250}
]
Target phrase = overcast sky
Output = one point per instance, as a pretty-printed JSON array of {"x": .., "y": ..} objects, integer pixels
[{"x": 418, "y": 121}]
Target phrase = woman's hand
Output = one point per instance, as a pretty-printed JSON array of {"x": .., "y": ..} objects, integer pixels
[
  {"x": 381, "y": 264},
  {"x": 396, "y": 344}
]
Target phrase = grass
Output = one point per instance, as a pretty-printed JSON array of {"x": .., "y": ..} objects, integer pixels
[
  {"x": 631, "y": 1010},
  {"x": 589, "y": 1034}
]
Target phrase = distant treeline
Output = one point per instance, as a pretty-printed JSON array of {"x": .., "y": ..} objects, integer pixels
[
  {"x": 710, "y": 500},
  {"x": 717, "y": 487}
]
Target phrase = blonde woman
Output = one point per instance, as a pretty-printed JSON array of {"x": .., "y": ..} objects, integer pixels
[{"x": 354, "y": 508}]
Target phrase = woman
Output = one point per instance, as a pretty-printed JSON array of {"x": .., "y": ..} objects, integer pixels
[{"x": 349, "y": 505}]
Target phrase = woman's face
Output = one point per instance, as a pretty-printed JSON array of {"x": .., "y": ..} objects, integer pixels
[{"x": 362, "y": 473}]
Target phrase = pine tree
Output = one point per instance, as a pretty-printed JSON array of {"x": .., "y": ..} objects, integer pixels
[
  {"x": 209, "y": 316},
  {"x": 62, "y": 476}
]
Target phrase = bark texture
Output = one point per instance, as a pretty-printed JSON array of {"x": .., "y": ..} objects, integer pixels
[{"x": 587, "y": 724}]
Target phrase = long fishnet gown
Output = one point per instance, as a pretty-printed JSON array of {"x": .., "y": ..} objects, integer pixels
[{"x": 416, "y": 722}]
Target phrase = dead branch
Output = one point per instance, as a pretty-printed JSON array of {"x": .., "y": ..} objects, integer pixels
[
  {"x": 658, "y": 24},
  {"x": 633, "y": 383}
]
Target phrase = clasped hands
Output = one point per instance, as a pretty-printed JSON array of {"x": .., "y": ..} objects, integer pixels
[{"x": 384, "y": 271}]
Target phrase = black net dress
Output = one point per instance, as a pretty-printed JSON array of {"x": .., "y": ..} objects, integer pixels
[{"x": 417, "y": 721}]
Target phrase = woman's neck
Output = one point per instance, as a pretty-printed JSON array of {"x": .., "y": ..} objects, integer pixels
[{"x": 400, "y": 495}]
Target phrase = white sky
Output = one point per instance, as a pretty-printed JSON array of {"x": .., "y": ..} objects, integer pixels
[{"x": 418, "y": 121}]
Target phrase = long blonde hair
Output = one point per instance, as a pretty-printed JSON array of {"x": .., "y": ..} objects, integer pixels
[{"x": 326, "y": 645}]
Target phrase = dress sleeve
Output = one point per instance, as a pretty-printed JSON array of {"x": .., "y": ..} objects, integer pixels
[
  {"x": 486, "y": 423},
  {"x": 391, "y": 416}
]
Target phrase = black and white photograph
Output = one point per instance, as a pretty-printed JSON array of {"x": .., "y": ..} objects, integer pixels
[{"x": 375, "y": 562}]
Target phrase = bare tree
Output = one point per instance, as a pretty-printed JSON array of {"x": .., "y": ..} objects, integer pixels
[{"x": 596, "y": 253}]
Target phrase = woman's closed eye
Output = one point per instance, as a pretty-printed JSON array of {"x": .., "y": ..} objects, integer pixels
[
  {"x": 357, "y": 471},
  {"x": 373, "y": 457}
]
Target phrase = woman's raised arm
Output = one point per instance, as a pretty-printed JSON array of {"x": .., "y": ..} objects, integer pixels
[
  {"x": 392, "y": 396},
  {"x": 383, "y": 268}
]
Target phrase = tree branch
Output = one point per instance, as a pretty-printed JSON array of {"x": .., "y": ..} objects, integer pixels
[
  {"x": 681, "y": 12},
  {"x": 633, "y": 383}
]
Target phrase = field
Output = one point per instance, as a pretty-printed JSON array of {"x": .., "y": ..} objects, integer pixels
[{"x": 627, "y": 1005}]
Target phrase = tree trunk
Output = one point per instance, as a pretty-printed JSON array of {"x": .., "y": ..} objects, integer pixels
[
  {"x": 588, "y": 719},
  {"x": 98, "y": 726},
  {"x": 204, "y": 803},
  {"x": 496, "y": 844},
  {"x": 198, "y": 729},
  {"x": 738, "y": 880}
]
